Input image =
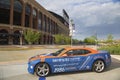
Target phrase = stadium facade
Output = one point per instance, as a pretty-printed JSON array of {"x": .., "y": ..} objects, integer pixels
[{"x": 18, "y": 15}]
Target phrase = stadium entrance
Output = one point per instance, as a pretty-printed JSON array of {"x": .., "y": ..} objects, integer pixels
[{"x": 4, "y": 37}]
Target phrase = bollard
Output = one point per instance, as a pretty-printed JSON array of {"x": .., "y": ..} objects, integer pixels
[{"x": 42, "y": 78}]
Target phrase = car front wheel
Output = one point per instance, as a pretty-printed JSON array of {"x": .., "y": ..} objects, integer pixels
[
  {"x": 42, "y": 69},
  {"x": 98, "y": 66}
]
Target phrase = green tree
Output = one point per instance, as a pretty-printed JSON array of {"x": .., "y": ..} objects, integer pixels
[
  {"x": 31, "y": 36},
  {"x": 110, "y": 38},
  {"x": 58, "y": 39},
  {"x": 90, "y": 40},
  {"x": 61, "y": 39},
  {"x": 93, "y": 37},
  {"x": 67, "y": 40},
  {"x": 75, "y": 41}
]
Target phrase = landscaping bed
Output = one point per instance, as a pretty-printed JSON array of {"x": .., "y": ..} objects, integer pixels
[{"x": 113, "y": 49}]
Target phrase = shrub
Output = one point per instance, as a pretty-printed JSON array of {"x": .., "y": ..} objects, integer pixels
[
  {"x": 113, "y": 49},
  {"x": 61, "y": 39}
]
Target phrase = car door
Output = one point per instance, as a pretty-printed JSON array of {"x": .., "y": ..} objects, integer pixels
[
  {"x": 78, "y": 59},
  {"x": 75, "y": 60},
  {"x": 65, "y": 63}
]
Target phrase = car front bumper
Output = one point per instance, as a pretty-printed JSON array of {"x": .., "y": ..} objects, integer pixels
[{"x": 31, "y": 66}]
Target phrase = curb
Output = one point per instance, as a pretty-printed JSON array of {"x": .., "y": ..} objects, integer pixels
[{"x": 116, "y": 57}]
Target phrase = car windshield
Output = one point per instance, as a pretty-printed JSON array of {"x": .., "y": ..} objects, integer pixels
[{"x": 58, "y": 52}]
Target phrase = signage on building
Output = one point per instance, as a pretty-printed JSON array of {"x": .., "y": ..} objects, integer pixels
[{"x": 65, "y": 16}]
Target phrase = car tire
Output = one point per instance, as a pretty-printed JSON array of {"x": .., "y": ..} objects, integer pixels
[
  {"x": 42, "y": 69},
  {"x": 98, "y": 66}
]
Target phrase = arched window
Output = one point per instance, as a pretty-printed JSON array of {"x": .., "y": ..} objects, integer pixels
[
  {"x": 52, "y": 27},
  {"x": 34, "y": 18},
  {"x": 44, "y": 24},
  {"x": 27, "y": 15},
  {"x": 48, "y": 25},
  {"x": 56, "y": 28},
  {"x": 5, "y": 11},
  {"x": 40, "y": 21},
  {"x": 4, "y": 37},
  {"x": 16, "y": 37},
  {"x": 17, "y": 12}
]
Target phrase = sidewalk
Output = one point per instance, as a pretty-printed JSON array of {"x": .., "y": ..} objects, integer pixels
[{"x": 116, "y": 57}]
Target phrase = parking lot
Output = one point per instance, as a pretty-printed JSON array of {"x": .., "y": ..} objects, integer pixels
[
  {"x": 18, "y": 71},
  {"x": 14, "y": 67}
]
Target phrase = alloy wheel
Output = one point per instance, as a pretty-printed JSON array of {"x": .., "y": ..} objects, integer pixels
[{"x": 42, "y": 69}]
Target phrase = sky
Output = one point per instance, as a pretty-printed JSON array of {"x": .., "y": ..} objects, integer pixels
[{"x": 91, "y": 17}]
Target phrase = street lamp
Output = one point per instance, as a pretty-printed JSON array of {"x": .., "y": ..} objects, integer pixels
[{"x": 72, "y": 30}]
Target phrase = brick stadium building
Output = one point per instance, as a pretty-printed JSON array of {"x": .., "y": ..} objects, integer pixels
[{"x": 19, "y": 15}]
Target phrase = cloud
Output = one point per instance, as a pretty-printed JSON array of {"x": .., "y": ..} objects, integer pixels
[{"x": 89, "y": 15}]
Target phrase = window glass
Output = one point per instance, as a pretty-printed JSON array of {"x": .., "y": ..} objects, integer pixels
[
  {"x": 4, "y": 11},
  {"x": 44, "y": 23},
  {"x": 86, "y": 52},
  {"x": 5, "y": 4},
  {"x": 78, "y": 52},
  {"x": 17, "y": 6},
  {"x": 70, "y": 53},
  {"x": 40, "y": 21},
  {"x": 58, "y": 52},
  {"x": 27, "y": 9},
  {"x": 27, "y": 15},
  {"x": 34, "y": 18},
  {"x": 48, "y": 25},
  {"x": 17, "y": 13},
  {"x": 34, "y": 12}
]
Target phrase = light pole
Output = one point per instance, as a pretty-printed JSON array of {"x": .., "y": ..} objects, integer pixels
[{"x": 72, "y": 29}]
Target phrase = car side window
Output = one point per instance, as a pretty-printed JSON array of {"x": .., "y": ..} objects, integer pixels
[
  {"x": 70, "y": 53},
  {"x": 83, "y": 52},
  {"x": 78, "y": 52},
  {"x": 73, "y": 52},
  {"x": 87, "y": 51}
]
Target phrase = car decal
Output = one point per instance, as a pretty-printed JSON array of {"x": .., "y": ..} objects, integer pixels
[
  {"x": 85, "y": 62},
  {"x": 88, "y": 62}
]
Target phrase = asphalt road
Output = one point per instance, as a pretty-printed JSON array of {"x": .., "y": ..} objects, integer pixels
[{"x": 19, "y": 72}]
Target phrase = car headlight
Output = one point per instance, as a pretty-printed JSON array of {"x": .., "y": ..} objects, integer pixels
[{"x": 31, "y": 67}]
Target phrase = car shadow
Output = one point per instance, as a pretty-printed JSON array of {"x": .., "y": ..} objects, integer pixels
[
  {"x": 115, "y": 64},
  {"x": 68, "y": 73}
]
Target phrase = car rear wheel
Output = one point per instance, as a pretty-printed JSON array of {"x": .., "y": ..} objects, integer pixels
[
  {"x": 42, "y": 69},
  {"x": 98, "y": 66}
]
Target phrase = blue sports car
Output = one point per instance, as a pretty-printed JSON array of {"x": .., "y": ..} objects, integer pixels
[{"x": 69, "y": 59}]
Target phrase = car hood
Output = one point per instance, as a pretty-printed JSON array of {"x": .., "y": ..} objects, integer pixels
[{"x": 41, "y": 56}]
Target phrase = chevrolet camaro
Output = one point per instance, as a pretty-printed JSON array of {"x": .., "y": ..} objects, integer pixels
[{"x": 69, "y": 59}]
